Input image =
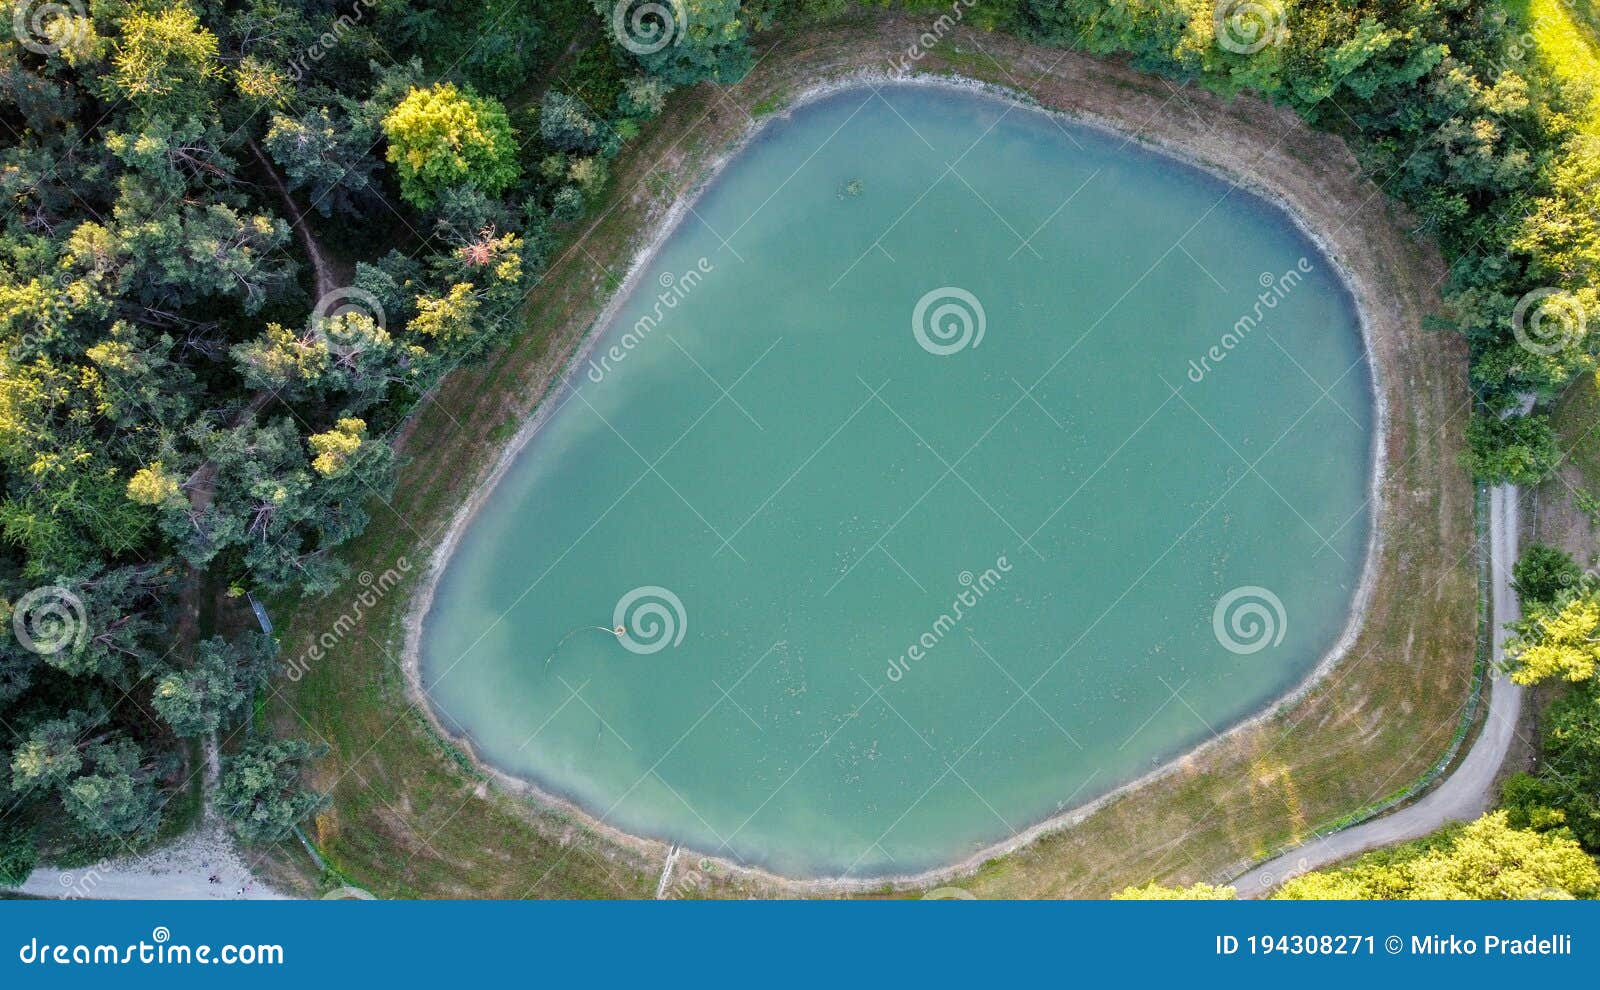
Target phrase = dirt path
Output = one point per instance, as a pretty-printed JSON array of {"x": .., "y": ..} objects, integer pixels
[
  {"x": 179, "y": 872},
  {"x": 321, "y": 271},
  {"x": 1468, "y": 792}
]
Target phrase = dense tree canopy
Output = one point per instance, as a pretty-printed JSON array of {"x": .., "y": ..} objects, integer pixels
[
  {"x": 191, "y": 404},
  {"x": 1564, "y": 790}
]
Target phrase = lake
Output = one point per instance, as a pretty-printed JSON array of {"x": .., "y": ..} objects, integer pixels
[{"x": 950, "y": 465}]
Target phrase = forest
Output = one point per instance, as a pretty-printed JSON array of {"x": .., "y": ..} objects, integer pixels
[{"x": 243, "y": 240}]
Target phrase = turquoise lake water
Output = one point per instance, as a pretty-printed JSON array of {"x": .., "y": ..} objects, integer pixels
[{"x": 937, "y": 486}]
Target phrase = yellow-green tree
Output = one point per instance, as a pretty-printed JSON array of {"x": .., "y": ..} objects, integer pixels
[
  {"x": 1153, "y": 891},
  {"x": 335, "y": 448},
  {"x": 1486, "y": 860},
  {"x": 1562, "y": 642},
  {"x": 448, "y": 317},
  {"x": 441, "y": 136},
  {"x": 153, "y": 484},
  {"x": 166, "y": 61}
]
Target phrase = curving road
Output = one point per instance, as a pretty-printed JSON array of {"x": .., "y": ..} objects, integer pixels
[{"x": 1468, "y": 792}]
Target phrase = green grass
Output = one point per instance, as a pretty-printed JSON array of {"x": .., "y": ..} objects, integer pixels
[
  {"x": 770, "y": 105},
  {"x": 1577, "y": 421}
]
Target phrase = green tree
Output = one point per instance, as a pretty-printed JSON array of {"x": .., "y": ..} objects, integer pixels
[
  {"x": 1542, "y": 573},
  {"x": 565, "y": 124},
  {"x": 260, "y": 789},
  {"x": 1564, "y": 790},
  {"x": 217, "y": 685},
  {"x": 116, "y": 795},
  {"x": 18, "y": 853},
  {"x": 1521, "y": 450},
  {"x": 325, "y": 153}
]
